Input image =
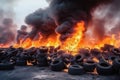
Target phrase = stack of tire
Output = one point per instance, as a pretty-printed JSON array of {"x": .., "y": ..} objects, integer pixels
[
  {"x": 57, "y": 65},
  {"x": 21, "y": 59},
  {"x": 5, "y": 56},
  {"x": 41, "y": 56},
  {"x": 80, "y": 66}
]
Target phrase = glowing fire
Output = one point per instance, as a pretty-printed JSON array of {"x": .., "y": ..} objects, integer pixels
[
  {"x": 73, "y": 43},
  {"x": 51, "y": 41}
]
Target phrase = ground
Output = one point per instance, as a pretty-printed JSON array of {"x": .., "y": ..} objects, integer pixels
[{"x": 37, "y": 73}]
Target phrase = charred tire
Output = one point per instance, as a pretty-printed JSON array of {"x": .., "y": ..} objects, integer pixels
[
  {"x": 6, "y": 66},
  {"x": 21, "y": 62},
  {"x": 116, "y": 65},
  {"x": 76, "y": 70},
  {"x": 89, "y": 66},
  {"x": 57, "y": 65},
  {"x": 79, "y": 58},
  {"x": 104, "y": 69}
]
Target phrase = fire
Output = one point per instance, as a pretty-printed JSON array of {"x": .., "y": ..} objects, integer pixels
[
  {"x": 4, "y": 45},
  {"x": 51, "y": 41},
  {"x": 73, "y": 43}
]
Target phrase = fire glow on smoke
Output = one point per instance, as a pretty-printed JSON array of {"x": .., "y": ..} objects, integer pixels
[{"x": 74, "y": 42}]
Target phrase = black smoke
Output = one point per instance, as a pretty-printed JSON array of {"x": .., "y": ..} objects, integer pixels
[
  {"x": 63, "y": 15},
  {"x": 7, "y": 32},
  {"x": 41, "y": 22},
  {"x": 7, "y": 26}
]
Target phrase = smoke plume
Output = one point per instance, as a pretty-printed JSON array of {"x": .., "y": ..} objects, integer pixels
[
  {"x": 41, "y": 22},
  {"x": 106, "y": 20},
  {"x": 63, "y": 15},
  {"x": 7, "y": 27}
]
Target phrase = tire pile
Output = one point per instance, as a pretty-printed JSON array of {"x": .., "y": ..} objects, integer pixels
[{"x": 107, "y": 59}]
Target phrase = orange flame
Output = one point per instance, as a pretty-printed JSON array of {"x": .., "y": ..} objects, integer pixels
[{"x": 73, "y": 43}]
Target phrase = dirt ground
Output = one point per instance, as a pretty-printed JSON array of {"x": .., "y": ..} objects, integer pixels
[{"x": 37, "y": 73}]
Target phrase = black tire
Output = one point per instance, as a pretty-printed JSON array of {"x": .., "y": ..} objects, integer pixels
[
  {"x": 41, "y": 54},
  {"x": 95, "y": 52},
  {"x": 116, "y": 65},
  {"x": 21, "y": 63},
  {"x": 104, "y": 69},
  {"x": 79, "y": 58},
  {"x": 76, "y": 70},
  {"x": 6, "y": 66},
  {"x": 66, "y": 60},
  {"x": 57, "y": 65},
  {"x": 89, "y": 66},
  {"x": 116, "y": 51}
]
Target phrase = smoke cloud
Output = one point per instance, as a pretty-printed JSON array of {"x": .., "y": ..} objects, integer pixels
[
  {"x": 106, "y": 20},
  {"x": 41, "y": 22},
  {"x": 7, "y": 27},
  {"x": 65, "y": 14}
]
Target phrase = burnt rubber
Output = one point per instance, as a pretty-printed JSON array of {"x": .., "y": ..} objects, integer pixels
[
  {"x": 76, "y": 70},
  {"x": 104, "y": 69},
  {"x": 6, "y": 66},
  {"x": 57, "y": 65},
  {"x": 89, "y": 65}
]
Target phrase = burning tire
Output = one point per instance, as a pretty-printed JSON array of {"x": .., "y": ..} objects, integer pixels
[
  {"x": 104, "y": 69},
  {"x": 6, "y": 66},
  {"x": 76, "y": 70},
  {"x": 89, "y": 66},
  {"x": 57, "y": 65},
  {"x": 116, "y": 65}
]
